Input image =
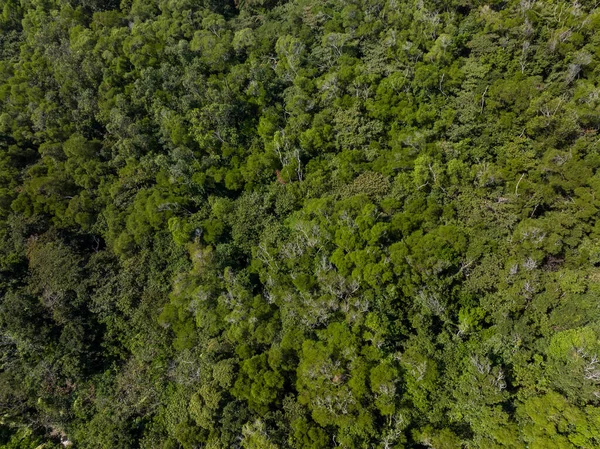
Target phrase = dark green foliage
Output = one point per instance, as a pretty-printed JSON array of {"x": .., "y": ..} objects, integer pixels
[{"x": 271, "y": 224}]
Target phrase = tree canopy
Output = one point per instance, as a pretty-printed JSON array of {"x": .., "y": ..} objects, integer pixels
[{"x": 269, "y": 224}]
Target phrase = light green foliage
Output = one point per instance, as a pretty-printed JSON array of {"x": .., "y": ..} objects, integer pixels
[{"x": 549, "y": 420}]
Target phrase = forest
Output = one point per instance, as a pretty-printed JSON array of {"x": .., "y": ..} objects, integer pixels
[{"x": 299, "y": 224}]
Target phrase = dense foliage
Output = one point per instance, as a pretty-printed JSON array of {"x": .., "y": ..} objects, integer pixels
[{"x": 302, "y": 224}]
